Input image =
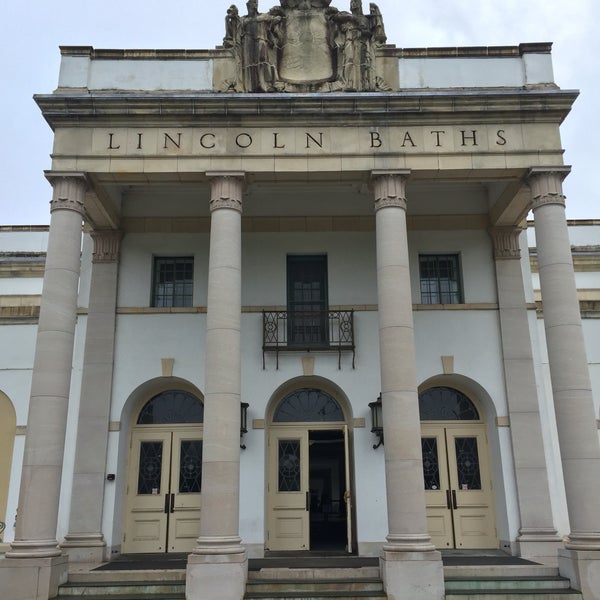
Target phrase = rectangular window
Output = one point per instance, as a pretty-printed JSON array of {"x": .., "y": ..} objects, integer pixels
[
  {"x": 440, "y": 279},
  {"x": 173, "y": 281},
  {"x": 307, "y": 301}
]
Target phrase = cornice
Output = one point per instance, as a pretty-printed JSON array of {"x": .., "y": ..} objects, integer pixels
[{"x": 405, "y": 108}]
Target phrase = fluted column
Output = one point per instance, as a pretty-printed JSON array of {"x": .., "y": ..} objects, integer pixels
[
  {"x": 85, "y": 540},
  {"x": 407, "y": 524},
  {"x": 39, "y": 497},
  {"x": 538, "y": 538},
  {"x": 217, "y": 567},
  {"x": 571, "y": 386}
]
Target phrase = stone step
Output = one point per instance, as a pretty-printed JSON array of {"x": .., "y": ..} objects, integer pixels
[
  {"x": 515, "y": 595},
  {"x": 338, "y": 595},
  {"x": 314, "y": 585},
  {"x": 334, "y": 573},
  {"x": 507, "y": 583},
  {"x": 127, "y": 597},
  {"x": 126, "y": 589}
]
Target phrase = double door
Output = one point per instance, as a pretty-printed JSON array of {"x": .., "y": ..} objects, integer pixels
[
  {"x": 458, "y": 488},
  {"x": 309, "y": 504},
  {"x": 163, "y": 490}
]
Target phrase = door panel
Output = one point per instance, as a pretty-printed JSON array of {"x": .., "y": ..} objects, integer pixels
[
  {"x": 348, "y": 493},
  {"x": 435, "y": 471},
  {"x": 186, "y": 477},
  {"x": 458, "y": 490},
  {"x": 147, "y": 489},
  {"x": 474, "y": 519},
  {"x": 288, "y": 493}
]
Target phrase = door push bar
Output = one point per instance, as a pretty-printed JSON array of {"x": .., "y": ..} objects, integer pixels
[
  {"x": 451, "y": 502},
  {"x": 169, "y": 503}
]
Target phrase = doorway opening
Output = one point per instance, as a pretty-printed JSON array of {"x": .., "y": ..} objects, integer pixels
[{"x": 309, "y": 500}]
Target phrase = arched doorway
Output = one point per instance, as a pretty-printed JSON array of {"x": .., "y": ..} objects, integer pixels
[
  {"x": 8, "y": 425},
  {"x": 456, "y": 471},
  {"x": 309, "y": 500},
  {"x": 164, "y": 475}
]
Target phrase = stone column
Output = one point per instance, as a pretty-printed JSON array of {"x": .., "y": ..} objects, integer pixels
[
  {"x": 217, "y": 568},
  {"x": 571, "y": 386},
  {"x": 35, "y": 555},
  {"x": 85, "y": 541},
  {"x": 538, "y": 538},
  {"x": 411, "y": 567}
]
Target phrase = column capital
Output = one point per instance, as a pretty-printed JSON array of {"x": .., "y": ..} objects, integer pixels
[
  {"x": 107, "y": 245},
  {"x": 69, "y": 190},
  {"x": 227, "y": 188},
  {"x": 390, "y": 188},
  {"x": 505, "y": 241},
  {"x": 546, "y": 185}
]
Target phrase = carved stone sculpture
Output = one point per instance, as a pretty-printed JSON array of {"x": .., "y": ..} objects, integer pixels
[{"x": 304, "y": 46}]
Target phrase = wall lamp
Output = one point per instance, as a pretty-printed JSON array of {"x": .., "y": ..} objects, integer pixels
[
  {"x": 243, "y": 422},
  {"x": 377, "y": 420}
]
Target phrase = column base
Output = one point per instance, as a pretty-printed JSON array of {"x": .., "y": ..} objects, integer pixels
[
  {"x": 32, "y": 578},
  {"x": 87, "y": 548},
  {"x": 583, "y": 569},
  {"x": 410, "y": 575},
  {"x": 540, "y": 547},
  {"x": 216, "y": 576}
]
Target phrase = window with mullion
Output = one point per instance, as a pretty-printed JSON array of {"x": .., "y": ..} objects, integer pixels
[
  {"x": 173, "y": 281},
  {"x": 440, "y": 279}
]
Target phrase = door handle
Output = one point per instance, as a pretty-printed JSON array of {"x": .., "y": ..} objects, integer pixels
[
  {"x": 172, "y": 503},
  {"x": 308, "y": 501},
  {"x": 167, "y": 503},
  {"x": 448, "y": 500},
  {"x": 454, "y": 503}
]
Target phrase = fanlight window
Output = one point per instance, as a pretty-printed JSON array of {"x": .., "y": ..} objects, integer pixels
[
  {"x": 446, "y": 404},
  {"x": 173, "y": 406},
  {"x": 308, "y": 404}
]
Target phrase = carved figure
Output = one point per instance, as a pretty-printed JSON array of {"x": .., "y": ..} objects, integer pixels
[
  {"x": 304, "y": 45},
  {"x": 377, "y": 27},
  {"x": 259, "y": 50}
]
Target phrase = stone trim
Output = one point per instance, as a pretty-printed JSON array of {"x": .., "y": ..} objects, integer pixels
[
  {"x": 21, "y": 430},
  {"x": 22, "y": 264},
  {"x": 107, "y": 245},
  {"x": 585, "y": 259},
  {"x": 505, "y": 241},
  {"x": 68, "y": 191},
  {"x": 389, "y": 189},
  {"x": 226, "y": 190},
  {"x": 546, "y": 186},
  {"x": 502, "y": 421}
]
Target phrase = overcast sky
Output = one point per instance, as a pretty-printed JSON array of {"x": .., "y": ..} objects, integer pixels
[{"x": 33, "y": 30}]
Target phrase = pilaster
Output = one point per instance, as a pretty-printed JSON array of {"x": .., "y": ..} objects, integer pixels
[
  {"x": 85, "y": 540},
  {"x": 538, "y": 538},
  {"x": 410, "y": 565}
]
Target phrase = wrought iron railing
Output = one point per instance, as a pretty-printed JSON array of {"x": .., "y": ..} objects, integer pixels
[{"x": 310, "y": 331}]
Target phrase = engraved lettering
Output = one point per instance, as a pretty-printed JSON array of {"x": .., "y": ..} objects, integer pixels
[
  {"x": 472, "y": 137},
  {"x": 203, "y": 138},
  {"x": 501, "y": 141},
  {"x": 247, "y": 140},
  {"x": 376, "y": 139},
  {"x": 437, "y": 134},
  {"x": 276, "y": 141},
  {"x": 111, "y": 146},
  {"x": 139, "y": 146},
  {"x": 310, "y": 138},
  {"x": 406, "y": 139},
  {"x": 168, "y": 138}
]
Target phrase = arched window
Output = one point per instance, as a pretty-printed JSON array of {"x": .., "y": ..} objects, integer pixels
[
  {"x": 446, "y": 404},
  {"x": 308, "y": 405},
  {"x": 172, "y": 406}
]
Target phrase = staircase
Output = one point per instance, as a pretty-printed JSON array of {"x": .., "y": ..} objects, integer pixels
[
  {"x": 507, "y": 582},
  {"x": 125, "y": 585},
  {"x": 275, "y": 583}
]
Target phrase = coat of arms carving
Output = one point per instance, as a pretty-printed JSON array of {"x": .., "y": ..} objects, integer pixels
[{"x": 304, "y": 46}]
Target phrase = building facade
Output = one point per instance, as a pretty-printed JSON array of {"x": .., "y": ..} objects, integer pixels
[{"x": 301, "y": 315}]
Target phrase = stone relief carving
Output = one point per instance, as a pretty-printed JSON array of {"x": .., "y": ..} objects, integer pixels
[{"x": 304, "y": 46}]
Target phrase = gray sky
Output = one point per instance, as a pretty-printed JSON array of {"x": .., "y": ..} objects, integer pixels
[{"x": 33, "y": 30}]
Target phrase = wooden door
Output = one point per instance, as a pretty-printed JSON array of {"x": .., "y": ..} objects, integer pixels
[
  {"x": 458, "y": 487},
  {"x": 288, "y": 494},
  {"x": 163, "y": 491}
]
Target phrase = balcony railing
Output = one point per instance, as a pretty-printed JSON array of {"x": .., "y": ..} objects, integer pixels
[{"x": 310, "y": 331}]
